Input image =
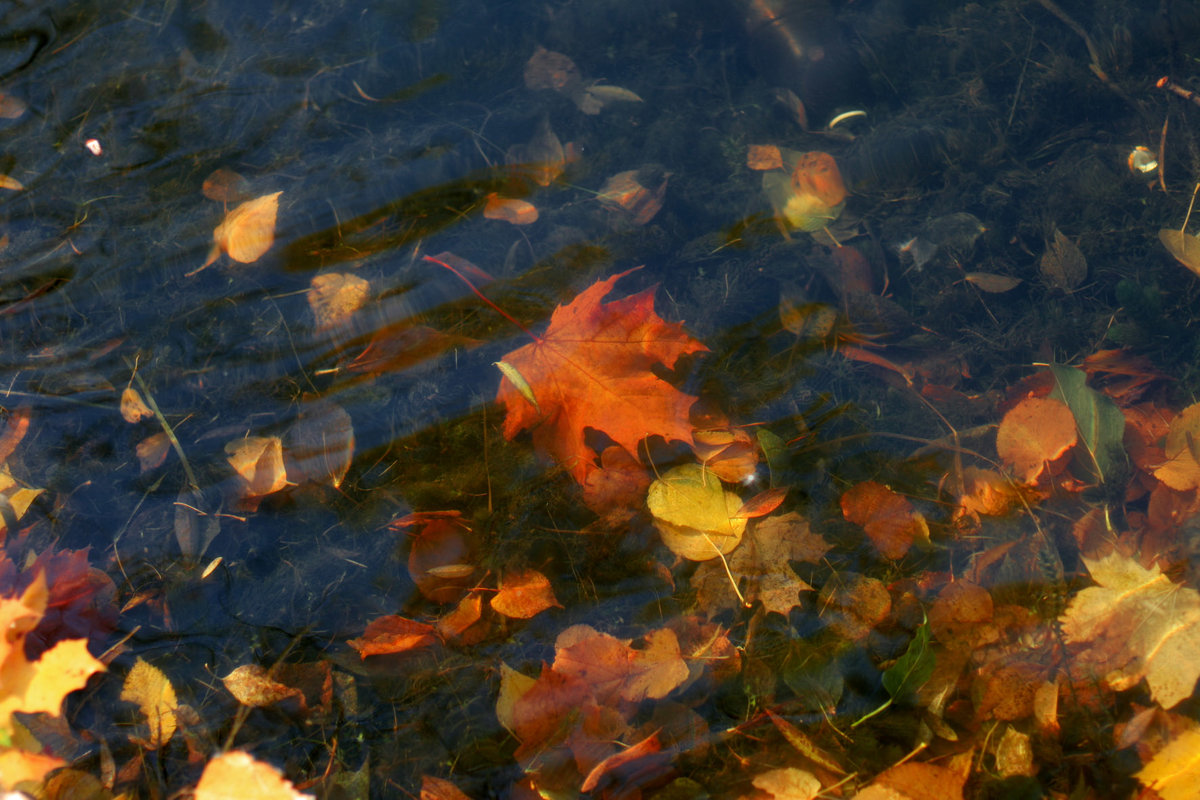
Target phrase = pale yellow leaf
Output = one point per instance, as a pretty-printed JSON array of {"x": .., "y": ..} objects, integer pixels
[
  {"x": 1174, "y": 772},
  {"x": 133, "y": 408},
  {"x": 694, "y": 514},
  {"x": 9, "y": 182},
  {"x": 248, "y": 231},
  {"x": 148, "y": 687},
  {"x": 335, "y": 296},
  {"x": 237, "y": 776},
  {"x": 259, "y": 460}
]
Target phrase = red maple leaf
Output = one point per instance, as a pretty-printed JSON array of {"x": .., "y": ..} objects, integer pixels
[{"x": 593, "y": 368}]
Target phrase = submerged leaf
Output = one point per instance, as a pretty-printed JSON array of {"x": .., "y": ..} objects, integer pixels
[
  {"x": 694, "y": 513},
  {"x": 1100, "y": 422},
  {"x": 248, "y": 231},
  {"x": 1036, "y": 431},
  {"x": 335, "y": 296},
  {"x": 1184, "y": 246},
  {"x": 509, "y": 209},
  {"x": 524, "y": 594},
  {"x": 151, "y": 690},
  {"x": 238, "y": 775}
]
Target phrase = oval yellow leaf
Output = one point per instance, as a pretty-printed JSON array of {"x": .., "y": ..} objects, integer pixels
[
  {"x": 248, "y": 231},
  {"x": 694, "y": 514}
]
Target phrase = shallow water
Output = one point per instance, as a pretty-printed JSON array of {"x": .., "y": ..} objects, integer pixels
[{"x": 385, "y": 127}]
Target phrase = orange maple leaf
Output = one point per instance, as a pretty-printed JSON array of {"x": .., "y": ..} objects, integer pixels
[{"x": 593, "y": 369}]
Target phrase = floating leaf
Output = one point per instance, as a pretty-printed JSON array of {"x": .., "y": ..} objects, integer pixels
[
  {"x": 509, "y": 209},
  {"x": 1184, "y": 246},
  {"x": 694, "y": 513},
  {"x": 151, "y": 690},
  {"x": 237, "y": 774},
  {"x": 248, "y": 231}
]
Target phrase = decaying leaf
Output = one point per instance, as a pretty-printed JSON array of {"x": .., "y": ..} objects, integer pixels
[
  {"x": 509, "y": 209},
  {"x": 763, "y": 157},
  {"x": 549, "y": 70},
  {"x": 335, "y": 296},
  {"x": 593, "y": 368},
  {"x": 1136, "y": 624},
  {"x": 625, "y": 191},
  {"x": 991, "y": 282},
  {"x": 619, "y": 486},
  {"x": 889, "y": 519},
  {"x": 1063, "y": 265},
  {"x": 248, "y": 231},
  {"x": 854, "y": 604},
  {"x": 1184, "y": 246},
  {"x": 694, "y": 513},
  {"x": 225, "y": 186},
  {"x": 152, "y": 451},
  {"x": 808, "y": 193},
  {"x": 133, "y": 408},
  {"x": 592, "y": 99},
  {"x": 440, "y": 789},
  {"x": 1035, "y": 432},
  {"x": 763, "y": 563},
  {"x": 524, "y": 594},
  {"x": 237, "y": 774},
  {"x": 542, "y": 158},
  {"x": 151, "y": 690}
]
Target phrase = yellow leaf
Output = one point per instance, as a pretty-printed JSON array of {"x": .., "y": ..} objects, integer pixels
[
  {"x": 133, "y": 408},
  {"x": 248, "y": 231},
  {"x": 1181, "y": 470},
  {"x": 36, "y": 686},
  {"x": 147, "y": 686},
  {"x": 259, "y": 460},
  {"x": 694, "y": 514},
  {"x": 1175, "y": 770},
  {"x": 9, "y": 182},
  {"x": 1136, "y": 624},
  {"x": 335, "y": 296},
  {"x": 20, "y": 766},
  {"x": 237, "y": 776},
  {"x": 1184, "y": 246},
  {"x": 513, "y": 685}
]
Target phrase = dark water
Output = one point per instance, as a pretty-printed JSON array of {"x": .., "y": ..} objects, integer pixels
[{"x": 385, "y": 126}]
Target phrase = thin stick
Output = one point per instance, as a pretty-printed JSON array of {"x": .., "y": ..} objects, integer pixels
[
  {"x": 1165, "y": 82},
  {"x": 187, "y": 467},
  {"x": 1162, "y": 154},
  {"x": 480, "y": 295},
  {"x": 1189, "y": 212}
]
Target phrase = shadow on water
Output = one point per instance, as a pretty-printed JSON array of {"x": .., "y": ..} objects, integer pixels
[{"x": 387, "y": 128}]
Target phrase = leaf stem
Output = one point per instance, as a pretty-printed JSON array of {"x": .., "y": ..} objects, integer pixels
[{"x": 480, "y": 295}]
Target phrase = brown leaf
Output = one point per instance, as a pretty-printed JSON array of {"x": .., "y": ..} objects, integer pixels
[
  {"x": 993, "y": 283},
  {"x": 1063, "y": 265},
  {"x": 152, "y": 451},
  {"x": 620, "y": 767},
  {"x": 1184, "y": 246},
  {"x": 524, "y": 594},
  {"x": 458, "y": 624},
  {"x": 319, "y": 445},
  {"x": 544, "y": 713},
  {"x": 888, "y": 518},
  {"x": 439, "y": 789},
  {"x": 762, "y": 503},
  {"x": 614, "y": 670},
  {"x": 624, "y": 191},
  {"x": 225, "y": 186},
  {"x": 1037, "y": 431},
  {"x": 403, "y": 345},
  {"x": 619, "y": 486},
  {"x": 854, "y": 604},
  {"x": 763, "y": 157},
  {"x": 1181, "y": 470},
  {"x": 549, "y": 70},
  {"x": 11, "y": 107},
  {"x": 440, "y": 541},
  {"x": 541, "y": 159},
  {"x": 252, "y": 685}
]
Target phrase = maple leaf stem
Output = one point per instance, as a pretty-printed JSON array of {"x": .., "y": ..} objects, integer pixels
[{"x": 480, "y": 295}]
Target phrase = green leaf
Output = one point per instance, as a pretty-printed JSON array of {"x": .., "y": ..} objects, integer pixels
[
  {"x": 774, "y": 450},
  {"x": 913, "y": 669},
  {"x": 1101, "y": 424}
]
